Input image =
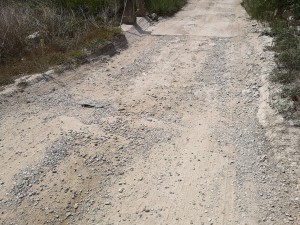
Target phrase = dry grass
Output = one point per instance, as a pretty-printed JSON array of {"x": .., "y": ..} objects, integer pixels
[{"x": 61, "y": 35}]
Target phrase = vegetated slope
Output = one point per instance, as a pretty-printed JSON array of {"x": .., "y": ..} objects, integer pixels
[
  {"x": 38, "y": 34},
  {"x": 284, "y": 18}
]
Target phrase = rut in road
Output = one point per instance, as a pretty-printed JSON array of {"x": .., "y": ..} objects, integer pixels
[{"x": 170, "y": 136}]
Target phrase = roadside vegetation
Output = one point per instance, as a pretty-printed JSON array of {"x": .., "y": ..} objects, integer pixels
[
  {"x": 283, "y": 16},
  {"x": 37, "y": 34},
  {"x": 165, "y": 7}
]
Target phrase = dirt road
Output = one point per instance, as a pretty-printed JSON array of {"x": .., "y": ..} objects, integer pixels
[{"x": 173, "y": 130}]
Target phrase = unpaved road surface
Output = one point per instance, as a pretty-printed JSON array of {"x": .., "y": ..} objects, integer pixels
[{"x": 174, "y": 130}]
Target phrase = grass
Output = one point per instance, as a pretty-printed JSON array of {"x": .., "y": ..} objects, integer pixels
[
  {"x": 61, "y": 35},
  {"x": 287, "y": 48},
  {"x": 165, "y": 7},
  {"x": 287, "y": 73},
  {"x": 267, "y": 10},
  {"x": 284, "y": 18}
]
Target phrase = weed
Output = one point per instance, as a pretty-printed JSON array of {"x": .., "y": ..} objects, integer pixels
[
  {"x": 165, "y": 7},
  {"x": 283, "y": 17},
  {"x": 23, "y": 84},
  {"x": 6, "y": 81},
  {"x": 283, "y": 76},
  {"x": 39, "y": 34},
  {"x": 268, "y": 10}
]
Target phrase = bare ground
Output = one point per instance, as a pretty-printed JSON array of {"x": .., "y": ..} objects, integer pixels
[{"x": 176, "y": 129}]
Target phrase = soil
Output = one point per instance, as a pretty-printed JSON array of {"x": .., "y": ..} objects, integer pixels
[{"x": 176, "y": 129}]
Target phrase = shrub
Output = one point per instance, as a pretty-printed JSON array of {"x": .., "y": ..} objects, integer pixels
[
  {"x": 165, "y": 7},
  {"x": 269, "y": 9},
  {"x": 283, "y": 16}
]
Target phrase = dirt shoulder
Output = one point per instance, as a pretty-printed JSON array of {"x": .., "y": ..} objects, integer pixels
[{"x": 174, "y": 130}]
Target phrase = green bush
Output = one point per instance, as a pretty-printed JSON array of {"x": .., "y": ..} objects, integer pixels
[
  {"x": 287, "y": 48},
  {"x": 284, "y": 18},
  {"x": 164, "y": 7},
  {"x": 269, "y": 9}
]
